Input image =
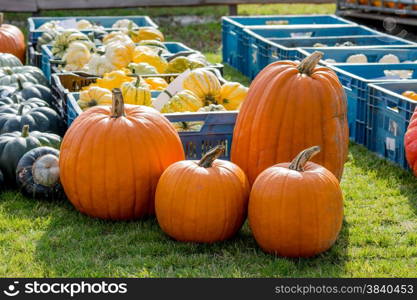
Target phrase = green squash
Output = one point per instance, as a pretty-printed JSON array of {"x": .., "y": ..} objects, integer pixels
[
  {"x": 46, "y": 38},
  {"x": 37, "y": 174},
  {"x": 9, "y": 60},
  {"x": 9, "y": 105},
  {"x": 11, "y": 75},
  {"x": 15, "y": 144},
  {"x": 30, "y": 90},
  {"x": 42, "y": 119}
]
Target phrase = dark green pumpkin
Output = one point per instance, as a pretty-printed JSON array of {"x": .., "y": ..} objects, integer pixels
[
  {"x": 9, "y": 105},
  {"x": 14, "y": 145},
  {"x": 30, "y": 90},
  {"x": 42, "y": 119},
  {"x": 10, "y": 75},
  {"x": 9, "y": 60},
  {"x": 37, "y": 174}
]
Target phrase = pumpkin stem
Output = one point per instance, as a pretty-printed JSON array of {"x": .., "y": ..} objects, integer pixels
[
  {"x": 25, "y": 131},
  {"x": 138, "y": 80},
  {"x": 117, "y": 107},
  {"x": 303, "y": 157},
  {"x": 19, "y": 84},
  {"x": 208, "y": 158},
  {"x": 20, "y": 110},
  {"x": 309, "y": 63}
]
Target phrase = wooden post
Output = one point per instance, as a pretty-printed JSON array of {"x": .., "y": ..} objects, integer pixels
[{"x": 232, "y": 9}]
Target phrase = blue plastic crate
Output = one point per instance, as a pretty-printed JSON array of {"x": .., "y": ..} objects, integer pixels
[
  {"x": 49, "y": 68},
  {"x": 233, "y": 35},
  {"x": 261, "y": 51},
  {"x": 355, "y": 79},
  {"x": 107, "y": 22},
  {"x": 340, "y": 55},
  {"x": 389, "y": 116},
  {"x": 217, "y": 128}
]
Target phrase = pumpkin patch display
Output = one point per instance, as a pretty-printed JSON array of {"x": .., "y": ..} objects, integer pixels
[
  {"x": 15, "y": 144},
  {"x": 112, "y": 157},
  {"x": 296, "y": 209},
  {"x": 202, "y": 201},
  {"x": 291, "y": 106},
  {"x": 37, "y": 174}
]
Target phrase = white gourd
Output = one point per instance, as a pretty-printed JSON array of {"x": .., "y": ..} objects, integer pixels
[
  {"x": 98, "y": 65},
  {"x": 357, "y": 59},
  {"x": 77, "y": 54},
  {"x": 124, "y": 23},
  {"x": 389, "y": 59},
  {"x": 84, "y": 24},
  {"x": 330, "y": 61}
]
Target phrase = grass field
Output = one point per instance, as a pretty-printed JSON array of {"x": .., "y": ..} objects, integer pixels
[{"x": 379, "y": 237}]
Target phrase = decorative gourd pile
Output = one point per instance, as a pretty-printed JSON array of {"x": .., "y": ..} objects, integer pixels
[
  {"x": 202, "y": 92},
  {"x": 27, "y": 122},
  {"x": 140, "y": 49}
]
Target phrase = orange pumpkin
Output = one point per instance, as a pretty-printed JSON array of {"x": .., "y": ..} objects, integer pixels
[
  {"x": 12, "y": 40},
  {"x": 289, "y": 107},
  {"x": 296, "y": 210},
  {"x": 112, "y": 157},
  {"x": 203, "y": 201}
]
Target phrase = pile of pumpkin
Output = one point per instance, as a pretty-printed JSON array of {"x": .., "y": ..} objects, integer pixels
[
  {"x": 124, "y": 162},
  {"x": 202, "y": 91},
  {"x": 139, "y": 48},
  {"x": 29, "y": 127}
]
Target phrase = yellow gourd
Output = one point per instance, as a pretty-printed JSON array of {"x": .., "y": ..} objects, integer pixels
[
  {"x": 145, "y": 33},
  {"x": 77, "y": 54},
  {"x": 113, "y": 80},
  {"x": 183, "y": 101},
  {"x": 204, "y": 84},
  {"x": 232, "y": 95},
  {"x": 151, "y": 58},
  {"x": 137, "y": 93},
  {"x": 94, "y": 96},
  {"x": 119, "y": 54},
  {"x": 156, "y": 83}
]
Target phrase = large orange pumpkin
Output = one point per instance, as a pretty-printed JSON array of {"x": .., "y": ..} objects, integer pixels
[
  {"x": 203, "y": 201},
  {"x": 290, "y": 107},
  {"x": 12, "y": 40},
  {"x": 112, "y": 157},
  {"x": 296, "y": 210}
]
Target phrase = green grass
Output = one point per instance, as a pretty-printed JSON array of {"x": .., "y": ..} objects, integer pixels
[{"x": 379, "y": 237}]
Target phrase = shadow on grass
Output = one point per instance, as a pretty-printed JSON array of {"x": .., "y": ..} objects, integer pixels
[
  {"x": 74, "y": 245},
  {"x": 402, "y": 180}
]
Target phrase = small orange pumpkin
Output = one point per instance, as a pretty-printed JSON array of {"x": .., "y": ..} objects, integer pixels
[
  {"x": 296, "y": 209},
  {"x": 203, "y": 201},
  {"x": 112, "y": 157}
]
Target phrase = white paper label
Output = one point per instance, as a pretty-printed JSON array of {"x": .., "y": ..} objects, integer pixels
[
  {"x": 68, "y": 23},
  {"x": 390, "y": 144},
  {"x": 174, "y": 87}
]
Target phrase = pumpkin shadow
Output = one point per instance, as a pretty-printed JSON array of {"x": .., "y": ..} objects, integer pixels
[
  {"x": 74, "y": 245},
  {"x": 394, "y": 176}
]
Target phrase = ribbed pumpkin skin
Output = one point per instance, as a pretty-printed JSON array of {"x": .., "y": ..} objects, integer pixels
[
  {"x": 110, "y": 166},
  {"x": 286, "y": 112},
  {"x": 296, "y": 214},
  {"x": 410, "y": 143},
  {"x": 197, "y": 204},
  {"x": 12, "y": 40}
]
